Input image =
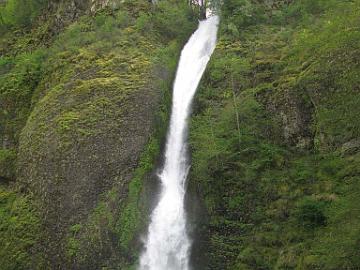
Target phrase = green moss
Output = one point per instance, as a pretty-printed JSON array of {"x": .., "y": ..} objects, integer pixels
[
  {"x": 66, "y": 121},
  {"x": 73, "y": 247},
  {"x": 19, "y": 231},
  {"x": 19, "y": 76}
]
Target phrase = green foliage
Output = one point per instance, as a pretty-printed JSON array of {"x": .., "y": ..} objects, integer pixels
[
  {"x": 19, "y": 231},
  {"x": 238, "y": 14},
  {"x": 310, "y": 213},
  {"x": 335, "y": 43},
  {"x": 20, "y": 13},
  {"x": 305, "y": 12},
  {"x": 166, "y": 19},
  {"x": 7, "y": 164}
]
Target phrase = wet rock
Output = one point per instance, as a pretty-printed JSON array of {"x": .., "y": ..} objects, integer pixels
[
  {"x": 351, "y": 147},
  {"x": 295, "y": 116}
]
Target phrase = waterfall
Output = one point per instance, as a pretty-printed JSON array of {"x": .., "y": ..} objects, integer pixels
[{"x": 168, "y": 245}]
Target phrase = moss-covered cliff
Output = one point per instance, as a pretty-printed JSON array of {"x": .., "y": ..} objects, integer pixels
[
  {"x": 275, "y": 137},
  {"x": 84, "y": 93}
]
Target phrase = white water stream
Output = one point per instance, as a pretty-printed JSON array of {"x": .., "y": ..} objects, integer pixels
[{"x": 168, "y": 245}]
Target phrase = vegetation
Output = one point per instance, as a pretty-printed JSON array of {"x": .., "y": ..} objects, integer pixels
[
  {"x": 19, "y": 230},
  {"x": 274, "y": 137},
  {"x": 19, "y": 13},
  {"x": 19, "y": 76}
]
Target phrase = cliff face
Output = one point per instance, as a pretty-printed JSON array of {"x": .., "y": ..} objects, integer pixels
[
  {"x": 274, "y": 138},
  {"x": 85, "y": 109},
  {"x": 99, "y": 116}
]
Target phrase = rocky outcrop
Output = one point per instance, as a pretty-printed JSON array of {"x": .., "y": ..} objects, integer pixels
[
  {"x": 351, "y": 147},
  {"x": 85, "y": 136},
  {"x": 89, "y": 90},
  {"x": 101, "y": 4},
  {"x": 295, "y": 116},
  {"x": 93, "y": 115}
]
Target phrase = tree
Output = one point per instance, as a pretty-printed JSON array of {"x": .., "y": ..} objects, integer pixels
[{"x": 20, "y": 13}]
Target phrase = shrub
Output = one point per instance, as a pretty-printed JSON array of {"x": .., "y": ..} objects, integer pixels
[
  {"x": 166, "y": 19},
  {"x": 310, "y": 213},
  {"x": 20, "y": 13},
  {"x": 238, "y": 14},
  {"x": 7, "y": 160}
]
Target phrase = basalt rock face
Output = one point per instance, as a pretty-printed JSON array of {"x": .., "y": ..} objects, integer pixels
[
  {"x": 295, "y": 116},
  {"x": 91, "y": 143},
  {"x": 101, "y": 4}
]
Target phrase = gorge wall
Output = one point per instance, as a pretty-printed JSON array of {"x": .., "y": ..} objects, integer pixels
[{"x": 91, "y": 81}]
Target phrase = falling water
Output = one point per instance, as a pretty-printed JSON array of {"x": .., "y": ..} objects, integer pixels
[{"x": 168, "y": 244}]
